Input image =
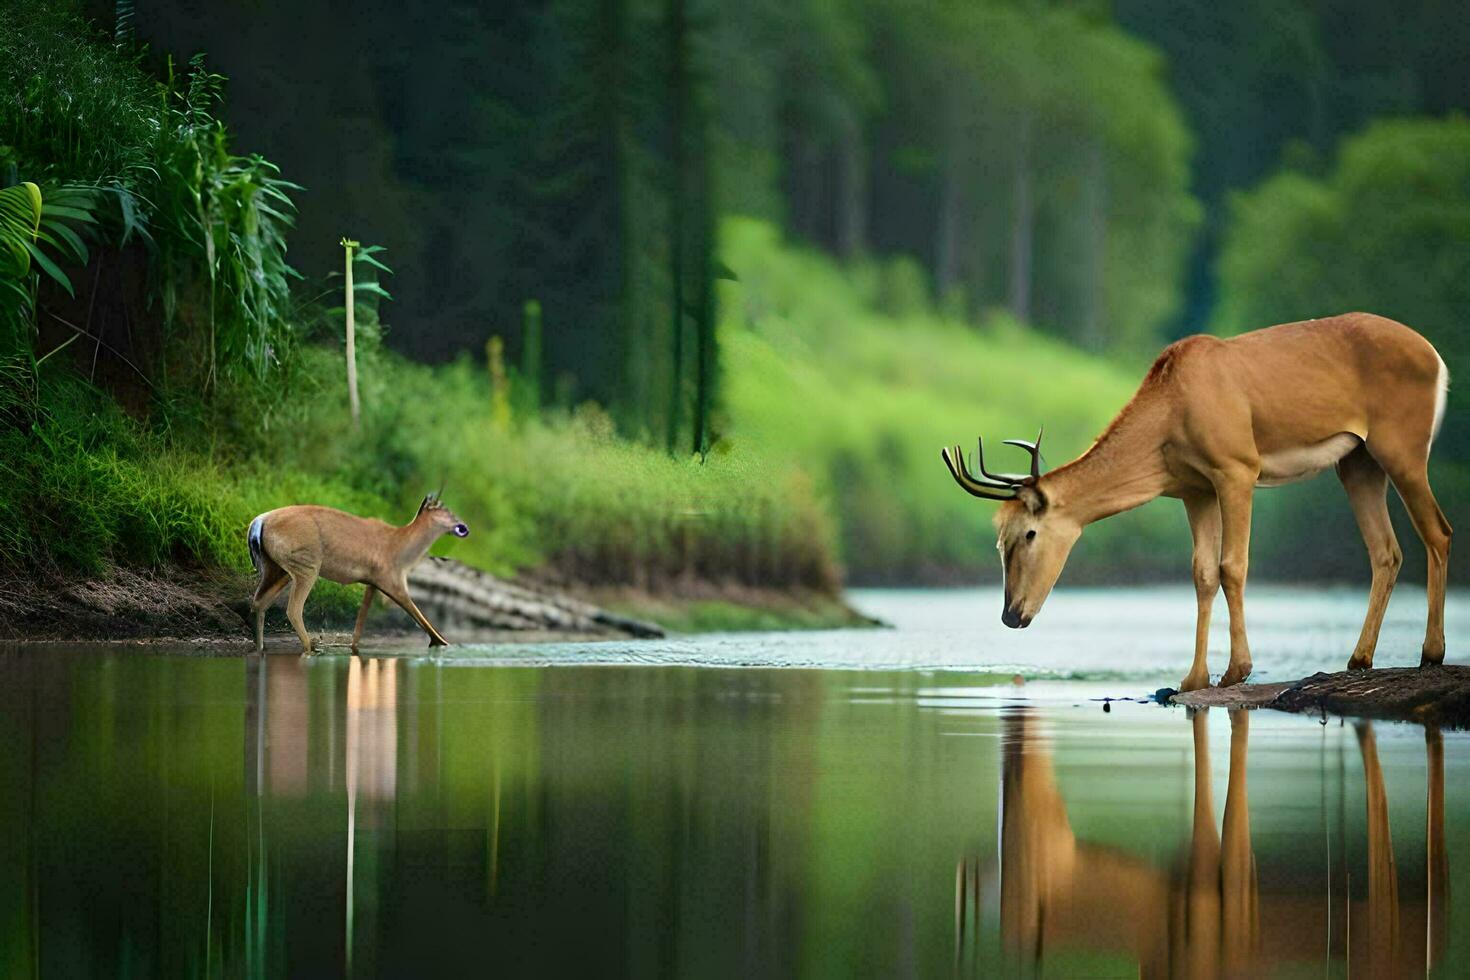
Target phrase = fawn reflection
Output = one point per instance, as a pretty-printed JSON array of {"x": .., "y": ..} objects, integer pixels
[
  {"x": 323, "y": 725},
  {"x": 1206, "y": 915}
]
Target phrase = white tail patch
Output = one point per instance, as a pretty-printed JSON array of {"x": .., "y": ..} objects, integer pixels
[
  {"x": 1441, "y": 397},
  {"x": 252, "y": 537}
]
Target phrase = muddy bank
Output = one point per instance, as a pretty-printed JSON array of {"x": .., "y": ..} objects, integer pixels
[
  {"x": 1429, "y": 695},
  {"x": 210, "y": 608}
]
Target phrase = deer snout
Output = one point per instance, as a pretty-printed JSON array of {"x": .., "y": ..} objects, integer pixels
[
  {"x": 1012, "y": 617},
  {"x": 460, "y": 531}
]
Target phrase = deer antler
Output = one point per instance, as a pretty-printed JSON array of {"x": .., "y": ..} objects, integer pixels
[
  {"x": 988, "y": 489},
  {"x": 992, "y": 486},
  {"x": 1034, "y": 448}
]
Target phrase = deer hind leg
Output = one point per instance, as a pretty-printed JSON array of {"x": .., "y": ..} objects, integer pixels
[
  {"x": 301, "y": 585},
  {"x": 273, "y": 579},
  {"x": 1382, "y": 933},
  {"x": 1367, "y": 488},
  {"x": 1204, "y": 525},
  {"x": 1436, "y": 866},
  {"x": 1409, "y": 471},
  {"x": 368, "y": 596}
]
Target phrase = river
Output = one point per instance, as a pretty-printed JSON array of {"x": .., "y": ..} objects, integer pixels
[{"x": 943, "y": 797}]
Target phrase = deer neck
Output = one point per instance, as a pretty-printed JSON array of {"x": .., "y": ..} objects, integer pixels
[
  {"x": 1124, "y": 469},
  {"x": 413, "y": 541}
]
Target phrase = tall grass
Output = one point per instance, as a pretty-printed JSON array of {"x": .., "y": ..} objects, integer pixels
[{"x": 89, "y": 487}]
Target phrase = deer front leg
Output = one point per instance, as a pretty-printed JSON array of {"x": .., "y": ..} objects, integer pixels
[
  {"x": 398, "y": 592},
  {"x": 368, "y": 595},
  {"x": 1204, "y": 525},
  {"x": 1234, "y": 492}
]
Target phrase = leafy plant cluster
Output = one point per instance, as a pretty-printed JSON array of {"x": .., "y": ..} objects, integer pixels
[{"x": 123, "y": 161}]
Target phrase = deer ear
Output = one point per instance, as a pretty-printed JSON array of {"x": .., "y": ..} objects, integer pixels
[
  {"x": 1032, "y": 498},
  {"x": 423, "y": 504}
]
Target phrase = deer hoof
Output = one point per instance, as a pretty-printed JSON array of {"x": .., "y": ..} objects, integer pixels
[
  {"x": 1193, "y": 683},
  {"x": 1357, "y": 662},
  {"x": 1235, "y": 675}
]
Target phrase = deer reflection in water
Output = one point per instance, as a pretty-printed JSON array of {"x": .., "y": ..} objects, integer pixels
[
  {"x": 1206, "y": 916},
  {"x": 298, "y": 744}
]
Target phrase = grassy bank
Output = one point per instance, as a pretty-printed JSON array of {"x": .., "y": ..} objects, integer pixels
[
  {"x": 854, "y": 374},
  {"x": 87, "y": 487}
]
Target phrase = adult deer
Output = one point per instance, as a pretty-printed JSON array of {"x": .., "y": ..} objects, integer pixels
[
  {"x": 1216, "y": 418},
  {"x": 296, "y": 545}
]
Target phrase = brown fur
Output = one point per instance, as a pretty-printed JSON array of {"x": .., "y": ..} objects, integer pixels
[
  {"x": 299, "y": 544},
  {"x": 1213, "y": 419}
]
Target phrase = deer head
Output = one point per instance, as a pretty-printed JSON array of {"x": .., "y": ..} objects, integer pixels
[
  {"x": 441, "y": 518},
  {"x": 1033, "y": 535}
]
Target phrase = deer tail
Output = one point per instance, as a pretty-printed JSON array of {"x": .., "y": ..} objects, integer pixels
[{"x": 253, "y": 538}]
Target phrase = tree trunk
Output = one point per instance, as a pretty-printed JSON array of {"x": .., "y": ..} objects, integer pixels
[
  {"x": 1023, "y": 223},
  {"x": 702, "y": 199},
  {"x": 1095, "y": 230},
  {"x": 706, "y": 352},
  {"x": 852, "y": 189},
  {"x": 678, "y": 29},
  {"x": 629, "y": 325},
  {"x": 951, "y": 204},
  {"x": 805, "y": 181}
]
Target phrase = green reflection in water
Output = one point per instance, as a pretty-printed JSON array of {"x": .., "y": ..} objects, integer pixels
[{"x": 219, "y": 816}]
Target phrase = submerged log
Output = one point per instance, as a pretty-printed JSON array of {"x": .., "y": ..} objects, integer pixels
[
  {"x": 458, "y": 596},
  {"x": 1430, "y": 695}
]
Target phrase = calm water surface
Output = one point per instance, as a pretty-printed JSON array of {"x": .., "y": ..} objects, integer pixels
[{"x": 875, "y": 803}]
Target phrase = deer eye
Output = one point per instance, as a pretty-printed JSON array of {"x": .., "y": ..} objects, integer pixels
[{"x": 1031, "y": 534}]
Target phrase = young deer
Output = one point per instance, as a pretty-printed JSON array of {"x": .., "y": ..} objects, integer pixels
[{"x": 296, "y": 545}]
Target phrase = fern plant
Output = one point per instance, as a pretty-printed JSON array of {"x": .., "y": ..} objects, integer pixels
[{"x": 37, "y": 238}]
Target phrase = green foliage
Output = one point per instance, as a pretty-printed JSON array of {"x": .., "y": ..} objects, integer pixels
[
  {"x": 34, "y": 228},
  {"x": 232, "y": 212},
  {"x": 1031, "y": 156},
  {"x": 863, "y": 400},
  {"x": 20, "y": 220},
  {"x": 149, "y": 161},
  {"x": 75, "y": 110}
]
